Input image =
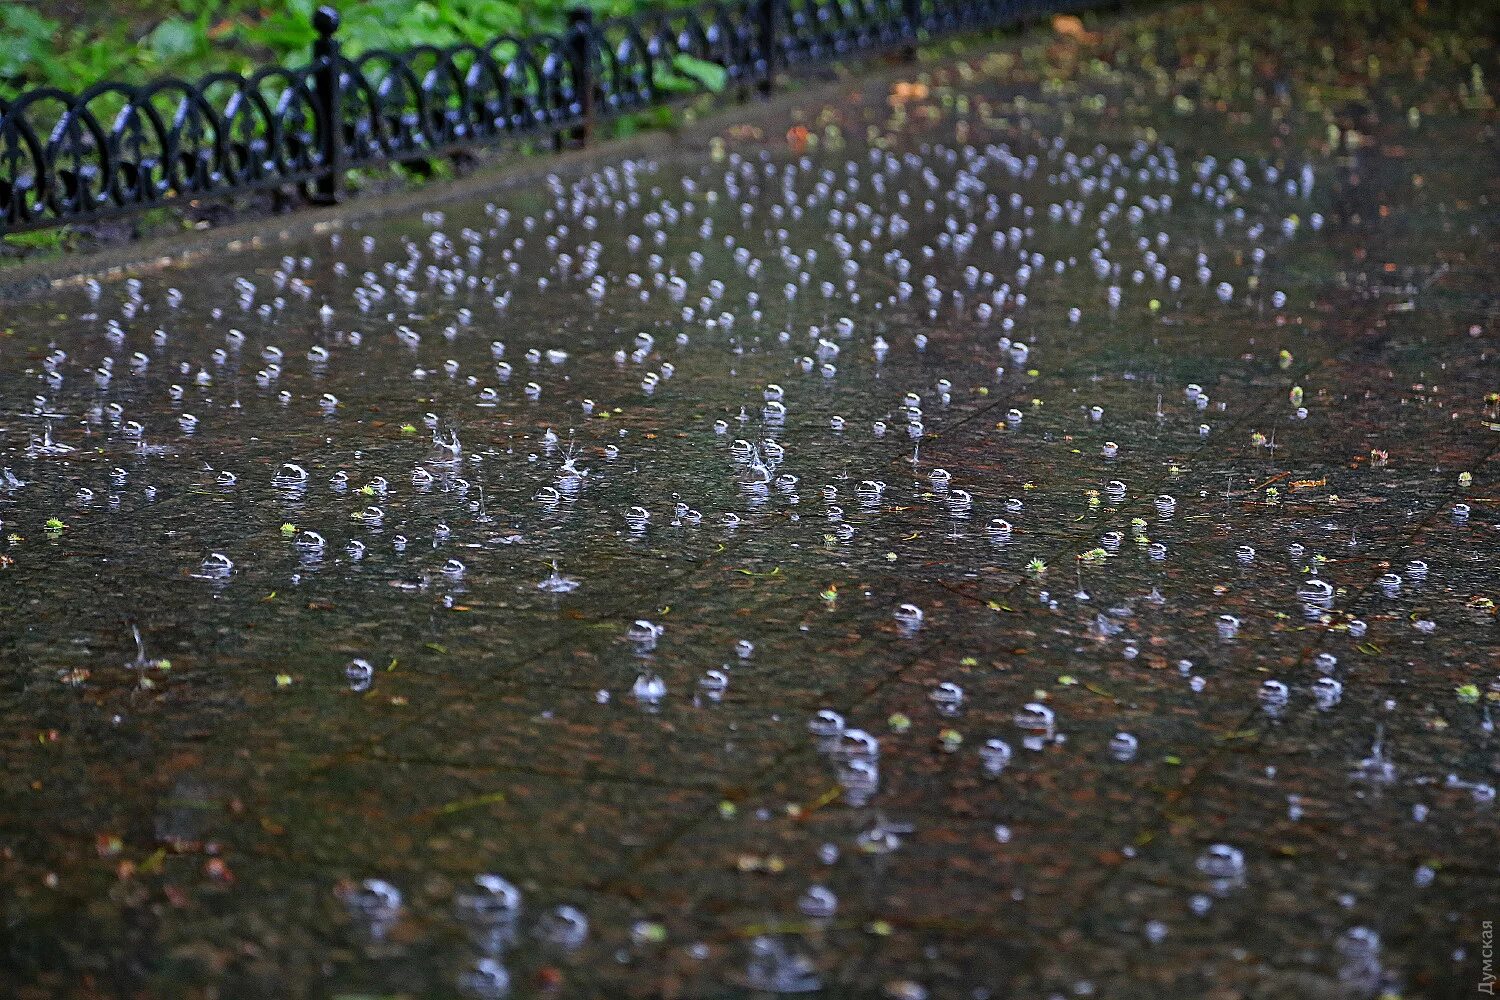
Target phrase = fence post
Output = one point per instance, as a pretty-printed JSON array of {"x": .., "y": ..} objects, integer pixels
[
  {"x": 765, "y": 31},
  {"x": 912, "y": 14},
  {"x": 329, "y": 105},
  {"x": 580, "y": 49}
]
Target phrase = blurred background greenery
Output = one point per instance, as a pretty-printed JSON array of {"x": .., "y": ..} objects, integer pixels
[{"x": 73, "y": 43}]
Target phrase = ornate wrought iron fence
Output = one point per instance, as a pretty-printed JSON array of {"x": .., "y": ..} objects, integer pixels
[{"x": 116, "y": 148}]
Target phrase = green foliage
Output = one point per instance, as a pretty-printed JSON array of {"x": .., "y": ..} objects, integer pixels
[
  {"x": 663, "y": 117},
  {"x": 25, "y": 39},
  {"x": 38, "y": 241},
  {"x": 708, "y": 75},
  {"x": 132, "y": 40}
]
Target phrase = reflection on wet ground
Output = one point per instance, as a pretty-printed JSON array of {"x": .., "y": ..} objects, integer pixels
[{"x": 1024, "y": 530}]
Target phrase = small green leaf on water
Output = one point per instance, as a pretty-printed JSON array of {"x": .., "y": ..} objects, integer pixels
[
  {"x": 1172, "y": 759},
  {"x": 1468, "y": 693},
  {"x": 492, "y": 798},
  {"x": 1067, "y": 680},
  {"x": 283, "y": 680}
]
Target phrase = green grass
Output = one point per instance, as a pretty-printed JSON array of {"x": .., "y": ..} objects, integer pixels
[{"x": 40, "y": 241}]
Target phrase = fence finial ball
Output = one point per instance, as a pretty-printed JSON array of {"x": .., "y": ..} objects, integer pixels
[{"x": 325, "y": 20}]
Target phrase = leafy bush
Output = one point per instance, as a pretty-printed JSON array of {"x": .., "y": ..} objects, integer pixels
[{"x": 137, "y": 39}]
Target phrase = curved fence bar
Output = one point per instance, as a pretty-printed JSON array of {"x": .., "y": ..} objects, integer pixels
[{"x": 118, "y": 148}]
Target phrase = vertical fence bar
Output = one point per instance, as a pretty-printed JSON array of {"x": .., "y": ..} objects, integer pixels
[
  {"x": 912, "y": 15},
  {"x": 768, "y": 44},
  {"x": 580, "y": 47},
  {"x": 329, "y": 105}
]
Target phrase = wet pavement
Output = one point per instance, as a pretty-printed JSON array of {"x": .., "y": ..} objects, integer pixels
[{"x": 1024, "y": 528}]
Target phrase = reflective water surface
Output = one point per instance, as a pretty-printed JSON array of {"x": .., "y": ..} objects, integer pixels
[{"x": 1021, "y": 529}]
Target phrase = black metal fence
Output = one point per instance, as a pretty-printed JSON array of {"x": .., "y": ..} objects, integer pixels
[{"x": 118, "y": 148}]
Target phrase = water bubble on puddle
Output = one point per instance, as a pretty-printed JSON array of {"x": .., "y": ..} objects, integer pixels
[
  {"x": 1360, "y": 971},
  {"x": 775, "y": 967},
  {"x": 859, "y": 778},
  {"x": 826, "y": 724},
  {"x": 908, "y": 618},
  {"x": 488, "y": 901},
  {"x": 1316, "y": 597},
  {"x": 216, "y": 566},
  {"x": 947, "y": 695},
  {"x": 644, "y": 634},
  {"x": 1224, "y": 866},
  {"x": 854, "y": 744},
  {"x": 1038, "y": 724},
  {"x": 714, "y": 683},
  {"x": 1327, "y": 692},
  {"x": 1274, "y": 695},
  {"x": 994, "y": 756},
  {"x": 360, "y": 674},
  {"x": 649, "y": 690},
  {"x": 563, "y": 927},
  {"x": 310, "y": 542},
  {"x": 1123, "y": 747},
  {"x": 486, "y": 979},
  {"x": 376, "y": 904}
]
